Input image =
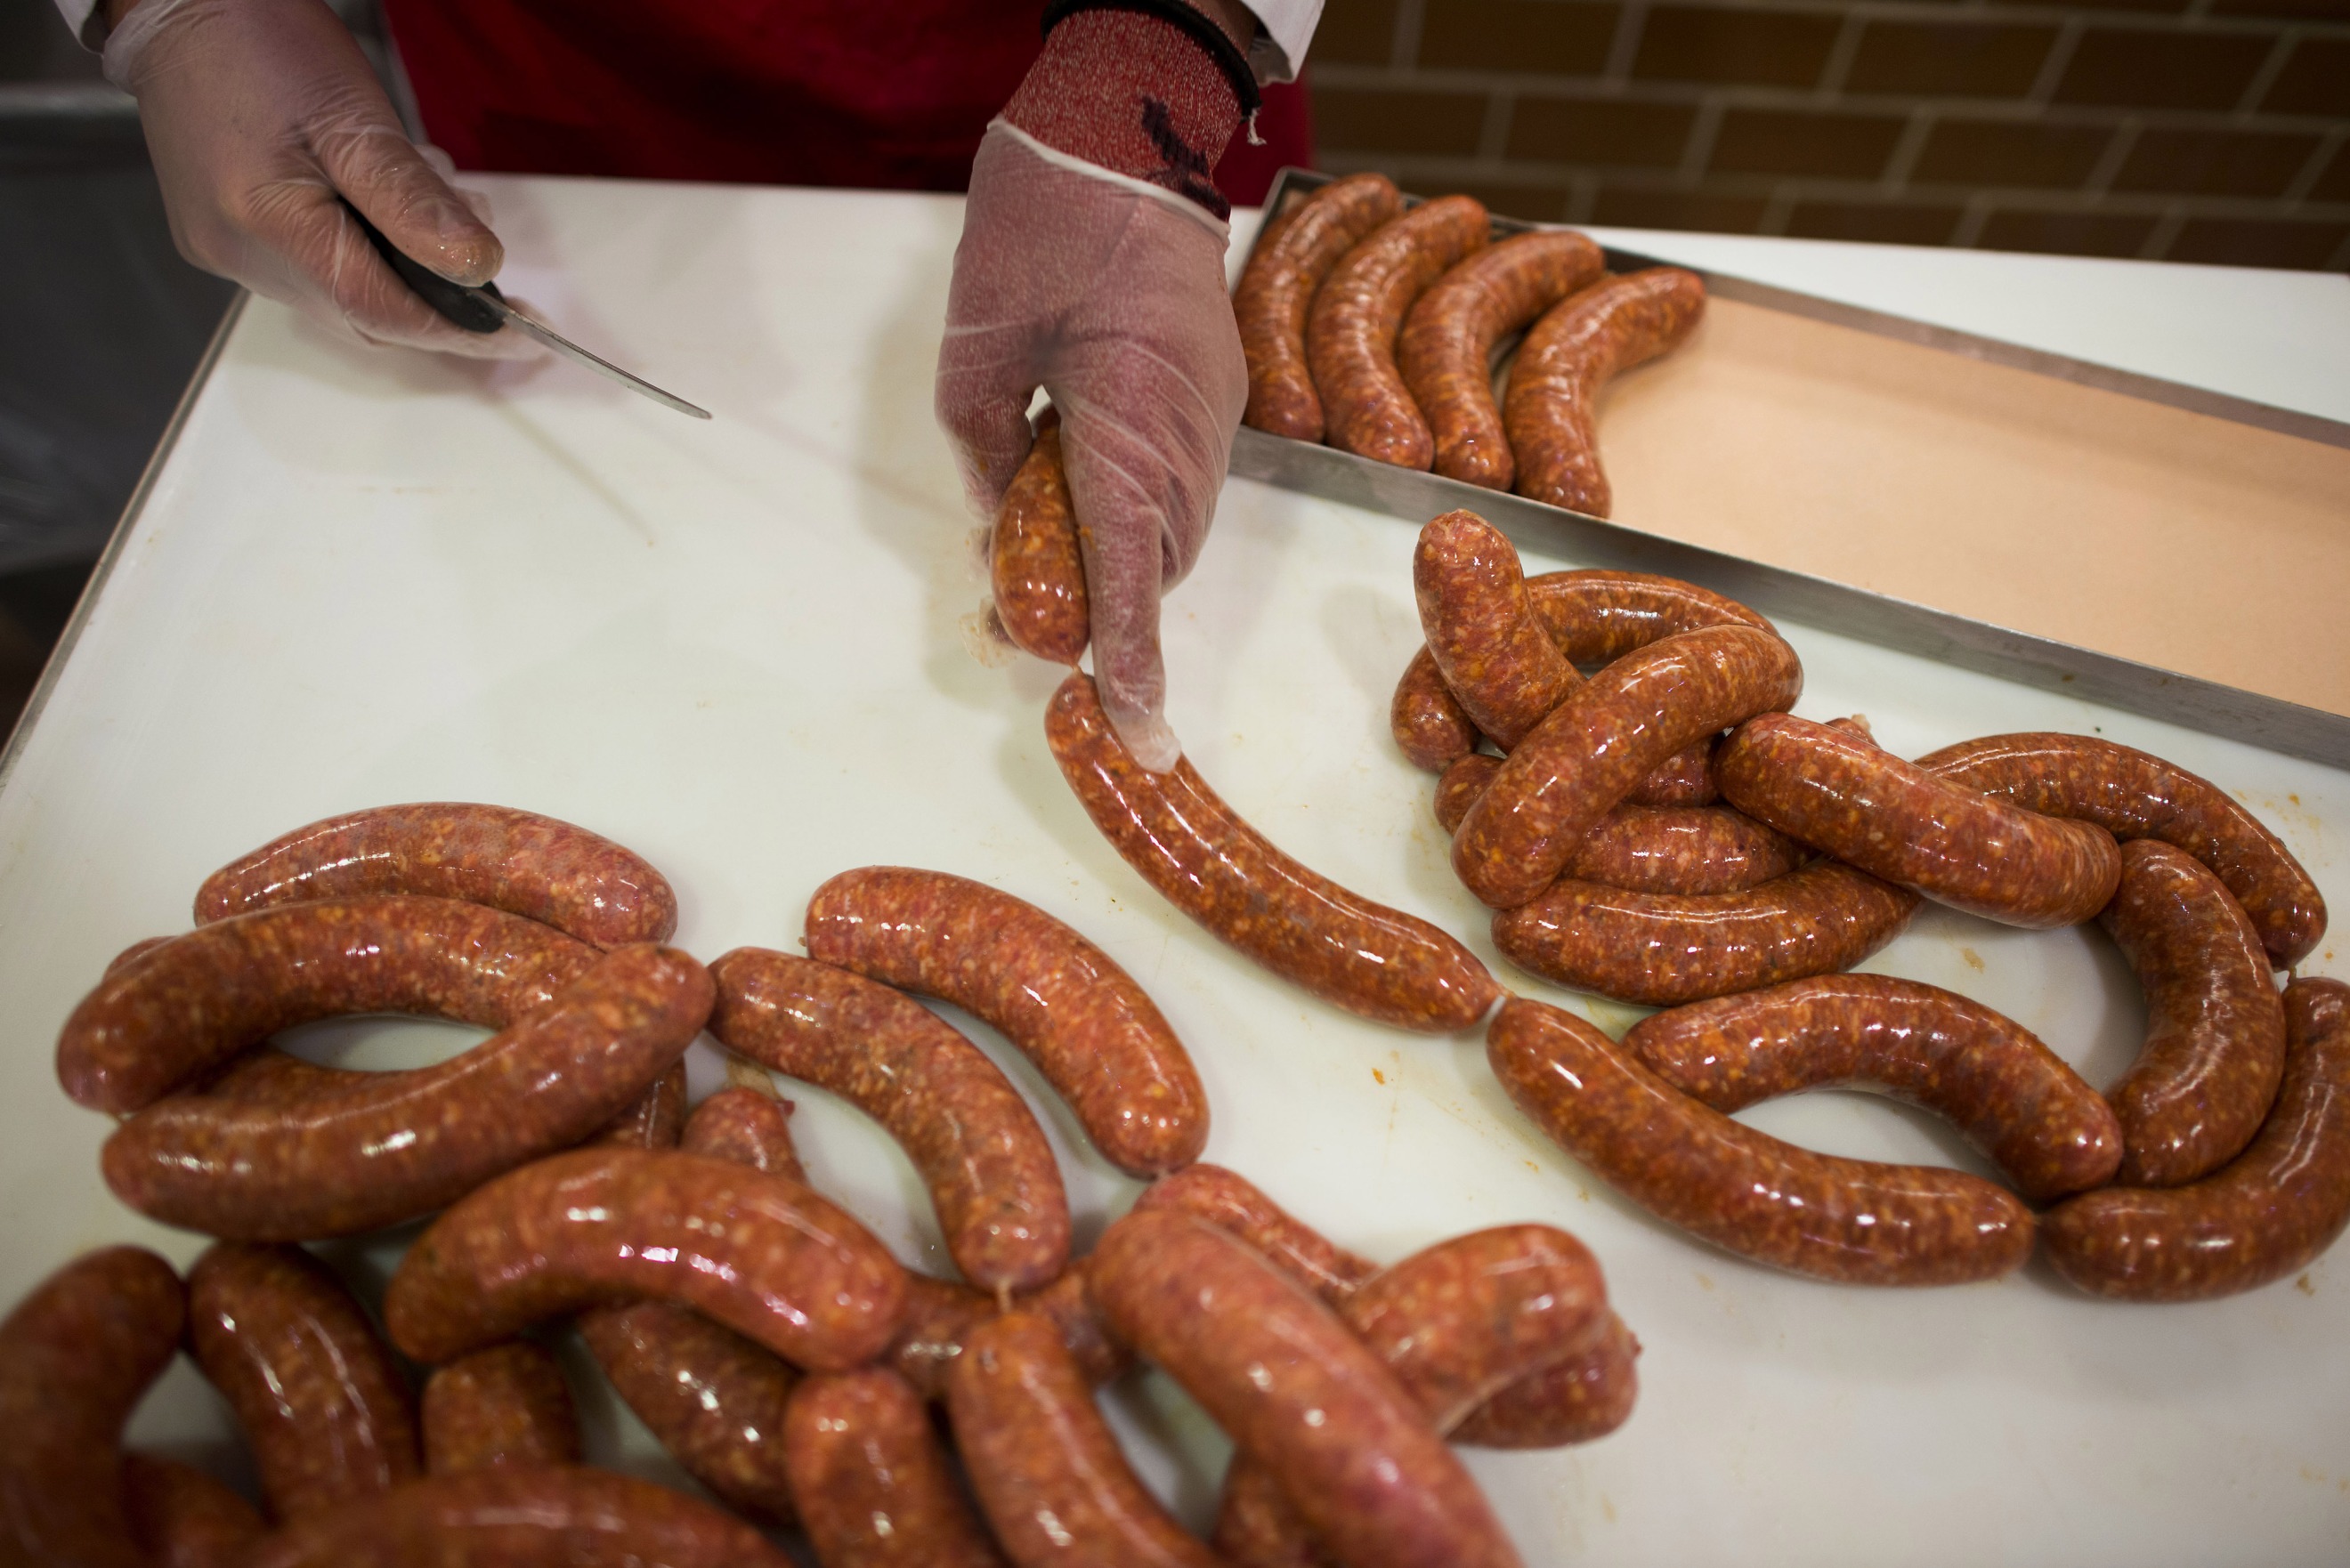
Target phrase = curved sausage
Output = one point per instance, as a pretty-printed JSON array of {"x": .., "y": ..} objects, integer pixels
[
  {"x": 506, "y": 1405},
  {"x": 2214, "y": 1047},
  {"x": 1577, "y": 1401},
  {"x": 1357, "y": 314},
  {"x": 747, "y": 1127},
  {"x": 1231, "y": 1203},
  {"x": 182, "y": 1518},
  {"x": 518, "y": 861},
  {"x": 654, "y": 1119},
  {"x": 1551, "y": 408},
  {"x": 2134, "y": 796},
  {"x": 1035, "y": 568},
  {"x": 1446, "y": 351},
  {"x": 1428, "y": 721},
  {"x": 1372, "y": 960},
  {"x": 873, "y": 1483},
  {"x": 714, "y": 1399},
  {"x": 1488, "y": 644},
  {"x": 1095, "y": 1034},
  {"x": 990, "y": 1173},
  {"x": 1288, "y": 262},
  {"x": 1691, "y": 849},
  {"x": 76, "y": 1356},
  {"x": 2265, "y": 1215},
  {"x": 2014, "y": 1099},
  {"x": 1596, "y": 617},
  {"x": 1854, "y": 1221},
  {"x": 760, "y": 1253},
  {"x": 359, "y": 1151},
  {"x": 941, "y": 1314}
]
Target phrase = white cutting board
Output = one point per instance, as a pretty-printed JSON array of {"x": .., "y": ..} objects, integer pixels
[{"x": 737, "y": 648}]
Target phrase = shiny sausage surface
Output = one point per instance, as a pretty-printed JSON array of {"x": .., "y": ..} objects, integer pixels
[
  {"x": 503, "y": 1404},
  {"x": 1690, "y": 850},
  {"x": 746, "y": 1127},
  {"x": 715, "y": 1399},
  {"x": 1035, "y": 566},
  {"x": 1352, "y": 325},
  {"x": 1234, "y": 1204},
  {"x": 1551, "y": 408},
  {"x": 654, "y": 1119},
  {"x": 1289, "y": 262},
  {"x": 875, "y": 1485},
  {"x": 1429, "y": 726},
  {"x": 1490, "y": 647},
  {"x": 1577, "y": 1400}
]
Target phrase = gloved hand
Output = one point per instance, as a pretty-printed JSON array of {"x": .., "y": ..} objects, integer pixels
[
  {"x": 1092, "y": 264},
  {"x": 258, "y": 112}
]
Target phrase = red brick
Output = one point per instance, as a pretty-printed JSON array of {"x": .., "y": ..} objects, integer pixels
[
  {"x": 1555, "y": 37},
  {"x": 1538, "y": 203},
  {"x": 1356, "y": 32},
  {"x": 2066, "y": 234},
  {"x": 1883, "y": 223},
  {"x": 1762, "y": 48},
  {"x": 1600, "y": 131},
  {"x": 2216, "y": 163},
  {"x": 1638, "y": 209},
  {"x": 2135, "y": 68},
  {"x": 2334, "y": 185},
  {"x": 1351, "y": 119},
  {"x": 2258, "y": 242},
  {"x": 1800, "y": 141},
  {"x": 2315, "y": 80},
  {"x": 2294, "y": 10},
  {"x": 2009, "y": 153},
  {"x": 1948, "y": 59}
]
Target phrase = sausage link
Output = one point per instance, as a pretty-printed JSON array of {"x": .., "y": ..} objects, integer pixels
[
  {"x": 76, "y": 1356},
  {"x": 942, "y": 1315},
  {"x": 1048, "y": 1473},
  {"x": 155, "y": 1024},
  {"x": 1488, "y": 644},
  {"x": 1035, "y": 566},
  {"x": 1446, "y": 351},
  {"x": 1231, "y": 1203},
  {"x": 1551, "y": 408},
  {"x": 747, "y": 1127},
  {"x": 2134, "y": 796},
  {"x": 1608, "y": 734},
  {"x": 1466, "y": 779},
  {"x": 875, "y": 1486},
  {"x": 1372, "y": 960},
  {"x": 1858, "y": 1222},
  {"x": 1685, "y": 778},
  {"x": 1691, "y": 849},
  {"x": 714, "y": 1399},
  {"x": 2014, "y": 1099},
  {"x": 990, "y": 1173},
  {"x": 2214, "y": 1048},
  {"x": 1597, "y": 616},
  {"x": 558, "y": 1516},
  {"x": 1095, "y": 1034},
  {"x": 576, "y": 881},
  {"x": 1428, "y": 721},
  {"x": 1577, "y": 1401},
  {"x": 1289, "y": 259},
  {"x": 362, "y": 1150},
  {"x": 1357, "y": 314},
  {"x": 506, "y": 1405},
  {"x": 760, "y": 1253},
  {"x": 654, "y": 1119},
  {"x": 2265, "y": 1215},
  {"x": 182, "y": 1518}
]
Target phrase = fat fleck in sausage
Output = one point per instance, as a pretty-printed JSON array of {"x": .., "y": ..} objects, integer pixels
[
  {"x": 2214, "y": 1047},
  {"x": 1577, "y": 1401},
  {"x": 1447, "y": 349},
  {"x": 1231, "y": 1203},
  {"x": 2014, "y": 1099},
  {"x": 519, "y": 861},
  {"x": 506, "y": 1405},
  {"x": 362, "y": 1150},
  {"x": 1551, "y": 408},
  {"x": 1370, "y": 959},
  {"x": 2264, "y": 1216},
  {"x": 1491, "y": 648},
  {"x": 747, "y": 1127},
  {"x": 654, "y": 1119},
  {"x": 1088, "y": 1027},
  {"x": 873, "y": 1480},
  {"x": 76, "y": 1356},
  {"x": 1282, "y": 1375},
  {"x": 760, "y": 1253},
  {"x": 2134, "y": 796},
  {"x": 1035, "y": 566},
  {"x": 1290, "y": 260},
  {"x": 1352, "y": 327},
  {"x": 1855, "y": 1220},
  {"x": 990, "y": 1172},
  {"x": 182, "y": 1518},
  {"x": 1428, "y": 721},
  {"x": 322, "y": 1405}
]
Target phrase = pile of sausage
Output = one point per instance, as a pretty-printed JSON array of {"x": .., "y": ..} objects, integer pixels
[
  {"x": 769, "y": 1341},
  {"x": 1665, "y": 832},
  {"x": 1375, "y": 328}
]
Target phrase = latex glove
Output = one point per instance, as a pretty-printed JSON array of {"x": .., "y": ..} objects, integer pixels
[{"x": 257, "y": 113}]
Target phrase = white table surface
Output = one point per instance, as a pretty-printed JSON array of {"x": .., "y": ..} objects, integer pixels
[{"x": 738, "y": 648}]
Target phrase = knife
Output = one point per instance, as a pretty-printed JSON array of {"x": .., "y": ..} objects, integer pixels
[{"x": 485, "y": 309}]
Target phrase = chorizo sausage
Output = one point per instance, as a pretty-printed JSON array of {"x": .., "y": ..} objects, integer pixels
[
  {"x": 2214, "y": 1047},
  {"x": 1691, "y": 849},
  {"x": 1551, "y": 407},
  {"x": 2014, "y": 1099},
  {"x": 576, "y": 881},
  {"x": 2134, "y": 796},
  {"x": 714, "y": 1399},
  {"x": 654, "y": 1119},
  {"x": 1357, "y": 314},
  {"x": 363, "y": 1150},
  {"x": 873, "y": 1480},
  {"x": 504, "y": 1404},
  {"x": 182, "y": 1518},
  {"x": 1685, "y": 778},
  {"x": 1446, "y": 352},
  {"x": 1842, "y": 794},
  {"x": 760, "y": 1253},
  {"x": 747, "y": 1127},
  {"x": 1596, "y": 617},
  {"x": 1288, "y": 262},
  {"x": 1093, "y": 1032},
  {"x": 1035, "y": 563},
  {"x": 1577, "y": 1401},
  {"x": 1491, "y": 648},
  {"x": 941, "y": 1314},
  {"x": 1858, "y": 1222},
  {"x": 76, "y": 1356},
  {"x": 1231, "y": 1203},
  {"x": 1428, "y": 721},
  {"x": 990, "y": 1173},
  {"x": 2265, "y": 1215},
  {"x": 1372, "y": 960}
]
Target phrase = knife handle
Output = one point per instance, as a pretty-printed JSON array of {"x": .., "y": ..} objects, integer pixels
[{"x": 462, "y": 306}]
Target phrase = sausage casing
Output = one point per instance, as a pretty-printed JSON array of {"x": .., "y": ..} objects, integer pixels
[
  {"x": 1488, "y": 644},
  {"x": 654, "y": 1119},
  {"x": 714, "y": 1399},
  {"x": 1690, "y": 850},
  {"x": 1357, "y": 314},
  {"x": 182, "y": 1518},
  {"x": 1289, "y": 262},
  {"x": 747, "y": 1127},
  {"x": 1231, "y": 1203},
  {"x": 503, "y": 1404},
  {"x": 1429, "y": 723},
  {"x": 1583, "y": 1397},
  {"x": 875, "y": 1486},
  {"x": 1551, "y": 408},
  {"x": 1035, "y": 564},
  {"x": 941, "y": 1315}
]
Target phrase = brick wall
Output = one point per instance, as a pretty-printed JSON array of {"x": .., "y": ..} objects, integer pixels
[{"x": 2204, "y": 130}]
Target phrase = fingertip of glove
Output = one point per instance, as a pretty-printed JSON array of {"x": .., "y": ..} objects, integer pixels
[{"x": 1149, "y": 738}]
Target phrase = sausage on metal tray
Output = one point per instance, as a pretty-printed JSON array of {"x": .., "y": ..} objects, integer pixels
[
  {"x": 2014, "y": 1099},
  {"x": 76, "y": 1356},
  {"x": 941, "y": 1316},
  {"x": 1295, "y": 1389},
  {"x": 1858, "y": 1222},
  {"x": 2134, "y": 796},
  {"x": 1490, "y": 647},
  {"x": 357, "y": 1151},
  {"x": 1551, "y": 408},
  {"x": 502, "y": 1404},
  {"x": 1036, "y": 560},
  {"x": 653, "y": 1119},
  {"x": 760, "y": 1253},
  {"x": 2214, "y": 1047},
  {"x": 746, "y": 1127},
  {"x": 518, "y": 861},
  {"x": 1095, "y": 1034},
  {"x": 990, "y": 1173},
  {"x": 875, "y": 1484},
  {"x": 1446, "y": 351},
  {"x": 2265, "y": 1215},
  {"x": 1231, "y": 1203},
  {"x": 1372, "y": 960},
  {"x": 1357, "y": 313},
  {"x": 1291, "y": 258},
  {"x": 1577, "y": 1401},
  {"x": 182, "y": 1518}
]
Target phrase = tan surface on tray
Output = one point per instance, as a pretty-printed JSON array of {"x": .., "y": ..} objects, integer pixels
[{"x": 2177, "y": 539}]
